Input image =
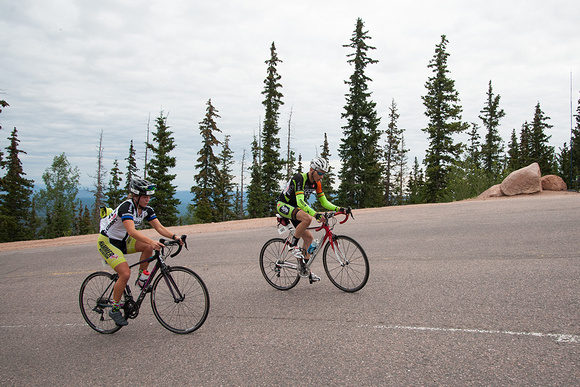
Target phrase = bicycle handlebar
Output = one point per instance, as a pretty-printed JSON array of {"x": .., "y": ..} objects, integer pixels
[
  {"x": 330, "y": 214},
  {"x": 172, "y": 242}
]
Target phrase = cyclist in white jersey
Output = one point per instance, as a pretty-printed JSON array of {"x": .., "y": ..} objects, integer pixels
[{"x": 119, "y": 236}]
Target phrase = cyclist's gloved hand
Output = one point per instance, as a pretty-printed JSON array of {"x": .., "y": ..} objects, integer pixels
[
  {"x": 344, "y": 210},
  {"x": 318, "y": 216}
]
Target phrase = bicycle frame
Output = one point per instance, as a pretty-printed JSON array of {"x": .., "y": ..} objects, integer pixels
[
  {"x": 132, "y": 306},
  {"x": 328, "y": 235}
]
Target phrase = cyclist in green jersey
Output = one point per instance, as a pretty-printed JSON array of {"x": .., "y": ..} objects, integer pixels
[{"x": 293, "y": 205}]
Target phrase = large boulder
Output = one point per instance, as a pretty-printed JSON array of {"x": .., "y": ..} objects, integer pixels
[
  {"x": 492, "y": 192},
  {"x": 553, "y": 183},
  {"x": 526, "y": 180}
]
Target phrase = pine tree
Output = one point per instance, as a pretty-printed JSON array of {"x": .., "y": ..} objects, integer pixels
[
  {"x": 58, "y": 200},
  {"x": 400, "y": 173},
  {"x": 290, "y": 154},
  {"x": 3, "y": 104},
  {"x": 131, "y": 166},
  {"x": 240, "y": 207},
  {"x": 573, "y": 178},
  {"x": 563, "y": 164},
  {"x": 328, "y": 181},
  {"x": 513, "y": 154},
  {"x": 225, "y": 184},
  {"x": 492, "y": 147},
  {"x": 416, "y": 184},
  {"x": 299, "y": 167},
  {"x": 329, "y": 177},
  {"x": 204, "y": 203},
  {"x": 526, "y": 157},
  {"x": 256, "y": 196},
  {"x": 115, "y": 193},
  {"x": 272, "y": 165},
  {"x": 474, "y": 148},
  {"x": 541, "y": 152},
  {"x": 393, "y": 155},
  {"x": 15, "y": 194},
  {"x": 86, "y": 222},
  {"x": 99, "y": 191},
  {"x": 164, "y": 201},
  {"x": 361, "y": 171},
  {"x": 444, "y": 113}
]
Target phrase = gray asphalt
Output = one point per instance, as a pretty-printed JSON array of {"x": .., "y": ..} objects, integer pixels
[{"x": 467, "y": 294}]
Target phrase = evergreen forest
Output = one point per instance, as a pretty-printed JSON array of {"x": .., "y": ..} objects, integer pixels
[{"x": 375, "y": 169}]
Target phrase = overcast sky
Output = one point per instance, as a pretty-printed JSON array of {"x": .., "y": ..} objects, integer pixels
[{"x": 71, "y": 69}]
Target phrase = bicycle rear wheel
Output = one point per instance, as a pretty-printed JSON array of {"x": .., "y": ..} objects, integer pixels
[
  {"x": 180, "y": 300},
  {"x": 95, "y": 301},
  {"x": 346, "y": 265},
  {"x": 278, "y": 266}
]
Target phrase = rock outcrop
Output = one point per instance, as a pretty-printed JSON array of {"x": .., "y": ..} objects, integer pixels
[
  {"x": 492, "y": 192},
  {"x": 553, "y": 183},
  {"x": 523, "y": 181},
  {"x": 526, "y": 180}
]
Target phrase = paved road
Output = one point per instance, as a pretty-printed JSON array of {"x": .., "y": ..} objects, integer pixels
[{"x": 467, "y": 293}]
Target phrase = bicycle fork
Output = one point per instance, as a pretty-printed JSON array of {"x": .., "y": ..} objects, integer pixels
[{"x": 340, "y": 254}]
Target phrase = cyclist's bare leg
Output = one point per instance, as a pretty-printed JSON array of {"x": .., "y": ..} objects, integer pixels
[
  {"x": 124, "y": 273},
  {"x": 146, "y": 251},
  {"x": 302, "y": 232}
]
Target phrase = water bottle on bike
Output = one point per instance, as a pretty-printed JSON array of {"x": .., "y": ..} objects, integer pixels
[{"x": 313, "y": 246}]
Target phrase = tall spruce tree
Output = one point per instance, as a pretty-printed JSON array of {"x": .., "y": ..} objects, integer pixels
[
  {"x": 361, "y": 171},
  {"x": 58, "y": 200},
  {"x": 573, "y": 178},
  {"x": 3, "y": 104},
  {"x": 15, "y": 195},
  {"x": 492, "y": 146},
  {"x": 540, "y": 151},
  {"x": 415, "y": 184},
  {"x": 290, "y": 154},
  {"x": 225, "y": 185},
  {"x": 272, "y": 164},
  {"x": 99, "y": 186},
  {"x": 444, "y": 113},
  {"x": 256, "y": 205},
  {"x": 513, "y": 153},
  {"x": 393, "y": 157},
  {"x": 204, "y": 208},
  {"x": 400, "y": 173},
  {"x": 131, "y": 166},
  {"x": 164, "y": 201},
  {"x": 526, "y": 153},
  {"x": 329, "y": 177},
  {"x": 115, "y": 192},
  {"x": 240, "y": 207}
]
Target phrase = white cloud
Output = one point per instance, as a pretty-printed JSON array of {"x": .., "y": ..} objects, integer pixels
[{"x": 71, "y": 69}]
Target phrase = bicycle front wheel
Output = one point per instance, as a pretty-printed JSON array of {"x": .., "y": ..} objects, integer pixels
[
  {"x": 96, "y": 300},
  {"x": 180, "y": 300},
  {"x": 346, "y": 264},
  {"x": 278, "y": 266}
]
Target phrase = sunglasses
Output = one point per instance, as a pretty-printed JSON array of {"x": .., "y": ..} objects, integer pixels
[{"x": 320, "y": 173}]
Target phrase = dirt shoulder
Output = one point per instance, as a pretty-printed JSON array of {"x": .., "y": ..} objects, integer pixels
[{"x": 222, "y": 226}]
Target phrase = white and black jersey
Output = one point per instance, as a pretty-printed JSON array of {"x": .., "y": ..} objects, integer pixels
[{"x": 112, "y": 225}]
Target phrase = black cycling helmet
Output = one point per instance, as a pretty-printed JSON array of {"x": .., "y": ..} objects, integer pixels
[{"x": 140, "y": 186}]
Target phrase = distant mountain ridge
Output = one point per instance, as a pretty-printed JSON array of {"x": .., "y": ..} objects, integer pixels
[{"x": 87, "y": 199}]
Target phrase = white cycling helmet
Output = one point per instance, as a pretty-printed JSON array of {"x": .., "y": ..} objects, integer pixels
[{"x": 319, "y": 164}]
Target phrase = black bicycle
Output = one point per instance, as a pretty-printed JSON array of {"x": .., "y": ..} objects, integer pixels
[{"x": 179, "y": 297}]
